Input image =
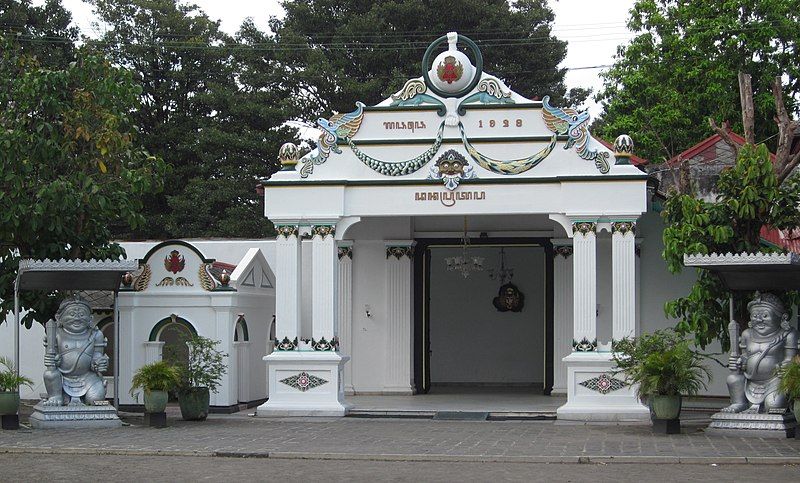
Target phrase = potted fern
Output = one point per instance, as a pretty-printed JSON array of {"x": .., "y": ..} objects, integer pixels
[
  {"x": 202, "y": 375},
  {"x": 664, "y": 368},
  {"x": 790, "y": 383},
  {"x": 155, "y": 380},
  {"x": 9, "y": 387}
]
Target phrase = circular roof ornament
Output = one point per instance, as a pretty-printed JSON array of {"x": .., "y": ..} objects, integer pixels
[
  {"x": 623, "y": 149},
  {"x": 451, "y": 74},
  {"x": 288, "y": 155}
]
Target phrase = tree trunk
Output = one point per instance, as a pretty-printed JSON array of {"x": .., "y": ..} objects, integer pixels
[{"x": 748, "y": 112}]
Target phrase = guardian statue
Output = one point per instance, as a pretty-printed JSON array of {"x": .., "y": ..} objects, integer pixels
[
  {"x": 74, "y": 357},
  {"x": 767, "y": 344}
]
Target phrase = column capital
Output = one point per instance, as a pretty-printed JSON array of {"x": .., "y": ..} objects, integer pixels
[
  {"x": 584, "y": 227},
  {"x": 563, "y": 250},
  {"x": 287, "y": 230},
  {"x": 400, "y": 248},
  {"x": 346, "y": 251},
  {"x": 623, "y": 227},
  {"x": 323, "y": 230}
]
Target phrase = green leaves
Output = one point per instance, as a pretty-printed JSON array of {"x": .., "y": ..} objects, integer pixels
[
  {"x": 661, "y": 363},
  {"x": 681, "y": 69},
  {"x": 748, "y": 197},
  {"x": 71, "y": 170}
]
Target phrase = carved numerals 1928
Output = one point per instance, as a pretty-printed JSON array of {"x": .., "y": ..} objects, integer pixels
[{"x": 501, "y": 123}]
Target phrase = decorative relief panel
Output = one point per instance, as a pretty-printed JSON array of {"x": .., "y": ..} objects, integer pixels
[
  {"x": 603, "y": 384},
  {"x": 304, "y": 381}
]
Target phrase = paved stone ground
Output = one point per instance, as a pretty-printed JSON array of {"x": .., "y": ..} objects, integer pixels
[
  {"x": 72, "y": 468},
  {"x": 407, "y": 439}
]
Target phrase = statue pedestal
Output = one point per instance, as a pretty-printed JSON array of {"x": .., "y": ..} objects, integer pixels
[
  {"x": 74, "y": 416},
  {"x": 753, "y": 425}
]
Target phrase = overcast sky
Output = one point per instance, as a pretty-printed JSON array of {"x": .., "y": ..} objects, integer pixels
[{"x": 593, "y": 29}]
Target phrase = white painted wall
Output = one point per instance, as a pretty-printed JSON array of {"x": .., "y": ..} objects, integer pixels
[
  {"x": 471, "y": 341},
  {"x": 658, "y": 286}
]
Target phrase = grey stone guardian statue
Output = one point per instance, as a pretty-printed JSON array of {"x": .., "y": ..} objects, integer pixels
[
  {"x": 768, "y": 343},
  {"x": 74, "y": 357}
]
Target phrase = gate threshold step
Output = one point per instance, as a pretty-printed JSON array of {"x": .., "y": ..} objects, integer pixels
[{"x": 454, "y": 415}]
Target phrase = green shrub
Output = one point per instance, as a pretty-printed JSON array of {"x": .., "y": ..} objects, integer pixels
[
  {"x": 156, "y": 376},
  {"x": 790, "y": 378},
  {"x": 206, "y": 365},
  {"x": 661, "y": 363},
  {"x": 9, "y": 380}
]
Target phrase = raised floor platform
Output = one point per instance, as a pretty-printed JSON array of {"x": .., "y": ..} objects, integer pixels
[{"x": 499, "y": 402}]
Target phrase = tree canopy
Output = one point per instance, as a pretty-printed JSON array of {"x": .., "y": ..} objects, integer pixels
[
  {"x": 207, "y": 109},
  {"x": 681, "y": 69},
  {"x": 340, "y": 51},
  {"x": 749, "y": 197},
  {"x": 70, "y": 165},
  {"x": 41, "y": 31}
]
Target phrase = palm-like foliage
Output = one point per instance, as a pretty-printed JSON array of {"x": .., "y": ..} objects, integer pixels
[
  {"x": 156, "y": 376},
  {"x": 9, "y": 380},
  {"x": 790, "y": 378},
  {"x": 661, "y": 363}
]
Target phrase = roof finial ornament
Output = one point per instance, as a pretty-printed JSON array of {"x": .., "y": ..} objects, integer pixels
[
  {"x": 623, "y": 149},
  {"x": 452, "y": 41}
]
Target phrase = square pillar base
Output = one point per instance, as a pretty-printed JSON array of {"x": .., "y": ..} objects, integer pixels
[
  {"x": 304, "y": 383},
  {"x": 594, "y": 394}
]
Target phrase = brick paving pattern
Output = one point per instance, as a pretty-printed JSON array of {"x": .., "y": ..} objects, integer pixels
[{"x": 363, "y": 438}]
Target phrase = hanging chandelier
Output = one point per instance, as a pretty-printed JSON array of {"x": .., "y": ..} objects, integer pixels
[
  {"x": 503, "y": 274},
  {"x": 464, "y": 264}
]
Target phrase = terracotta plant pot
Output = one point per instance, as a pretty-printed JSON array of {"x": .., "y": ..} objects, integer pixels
[
  {"x": 666, "y": 407},
  {"x": 194, "y": 403},
  {"x": 9, "y": 403},
  {"x": 155, "y": 401}
]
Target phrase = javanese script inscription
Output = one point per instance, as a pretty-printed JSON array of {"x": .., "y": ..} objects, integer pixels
[
  {"x": 404, "y": 125},
  {"x": 449, "y": 198}
]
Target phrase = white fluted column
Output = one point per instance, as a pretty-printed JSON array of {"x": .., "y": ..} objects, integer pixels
[
  {"x": 288, "y": 285},
  {"x": 306, "y": 382},
  {"x": 584, "y": 286},
  {"x": 346, "y": 310},
  {"x": 623, "y": 276},
  {"x": 562, "y": 312},
  {"x": 397, "y": 376},
  {"x": 324, "y": 287}
]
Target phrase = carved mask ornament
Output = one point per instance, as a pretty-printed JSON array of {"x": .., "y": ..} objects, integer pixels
[
  {"x": 509, "y": 299},
  {"x": 451, "y": 168}
]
